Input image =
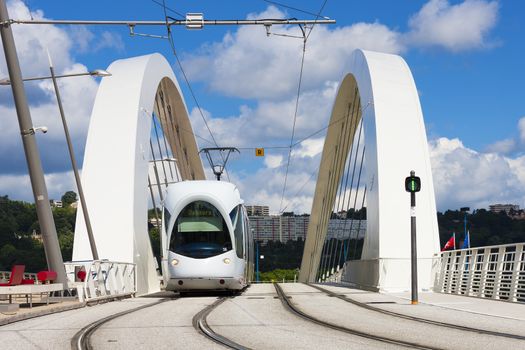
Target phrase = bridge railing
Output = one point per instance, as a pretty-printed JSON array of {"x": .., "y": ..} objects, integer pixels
[
  {"x": 6, "y": 275},
  {"x": 496, "y": 272},
  {"x": 103, "y": 279}
]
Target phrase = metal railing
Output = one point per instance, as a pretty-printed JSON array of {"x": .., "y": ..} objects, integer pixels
[
  {"x": 103, "y": 279},
  {"x": 6, "y": 275},
  {"x": 496, "y": 272}
]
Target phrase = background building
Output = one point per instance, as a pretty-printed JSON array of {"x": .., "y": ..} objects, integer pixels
[
  {"x": 497, "y": 208},
  {"x": 279, "y": 228},
  {"x": 285, "y": 228},
  {"x": 258, "y": 210}
]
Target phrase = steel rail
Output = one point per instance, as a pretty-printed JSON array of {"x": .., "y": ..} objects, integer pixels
[
  {"x": 200, "y": 324},
  {"x": 81, "y": 339},
  {"x": 296, "y": 311},
  {"x": 415, "y": 318}
]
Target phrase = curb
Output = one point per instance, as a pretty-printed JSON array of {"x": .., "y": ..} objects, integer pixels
[{"x": 29, "y": 315}]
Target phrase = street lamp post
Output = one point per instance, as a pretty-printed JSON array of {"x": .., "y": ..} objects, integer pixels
[
  {"x": 34, "y": 164},
  {"x": 94, "y": 73},
  {"x": 87, "y": 220}
]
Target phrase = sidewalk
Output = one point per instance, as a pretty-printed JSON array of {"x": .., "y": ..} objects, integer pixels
[
  {"x": 488, "y": 314},
  {"x": 39, "y": 309},
  {"x": 490, "y": 307}
]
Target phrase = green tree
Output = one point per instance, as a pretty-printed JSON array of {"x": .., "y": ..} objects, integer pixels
[{"x": 68, "y": 198}]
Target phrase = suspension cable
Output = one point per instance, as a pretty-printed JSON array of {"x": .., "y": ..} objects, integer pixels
[
  {"x": 166, "y": 117},
  {"x": 349, "y": 163},
  {"x": 340, "y": 154},
  {"x": 354, "y": 256},
  {"x": 347, "y": 167},
  {"x": 326, "y": 212},
  {"x": 155, "y": 170},
  {"x": 355, "y": 199},
  {"x": 160, "y": 150},
  {"x": 153, "y": 200},
  {"x": 352, "y": 180}
]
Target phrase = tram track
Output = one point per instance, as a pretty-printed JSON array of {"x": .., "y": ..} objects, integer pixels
[
  {"x": 201, "y": 325},
  {"x": 285, "y": 300},
  {"x": 82, "y": 339},
  {"x": 415, "y": 318}
]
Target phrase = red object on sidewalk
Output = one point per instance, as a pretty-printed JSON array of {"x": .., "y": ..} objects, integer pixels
[
  {"x": 81, "y": 275},
  {"x": 451, "y": 243},
  {"x": 46, "y": 276},
  {"x": 17, "y": 275}
]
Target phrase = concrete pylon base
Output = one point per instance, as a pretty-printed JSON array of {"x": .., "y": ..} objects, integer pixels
[{"x": 388, "y": 275}]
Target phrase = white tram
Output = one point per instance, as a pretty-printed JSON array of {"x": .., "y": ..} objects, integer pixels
[{"x": 207, "y": 242}]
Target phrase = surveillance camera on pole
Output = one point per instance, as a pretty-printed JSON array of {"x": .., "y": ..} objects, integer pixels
[{"x": 413, "y": 185}]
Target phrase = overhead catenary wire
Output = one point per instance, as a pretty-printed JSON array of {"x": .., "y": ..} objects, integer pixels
[
  {"x": 293, "y": 125},
  {"x": 179, "y": 63},
  {"x": 181, "y": 15},
  {"x": 292, "y": 8},
  {"x": 316, "y": 19},
  {"x": 306, "y": 36}
]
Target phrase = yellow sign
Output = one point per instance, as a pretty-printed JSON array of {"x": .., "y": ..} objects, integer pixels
[{"x": 259, "y": 152}]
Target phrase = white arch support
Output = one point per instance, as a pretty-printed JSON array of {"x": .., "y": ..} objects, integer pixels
[
  {"x": 396, "y": 143},
  {"x": 116, "y": 161}
]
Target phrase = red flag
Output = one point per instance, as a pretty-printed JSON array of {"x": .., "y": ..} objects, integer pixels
[{"x": 451, "y": 243}]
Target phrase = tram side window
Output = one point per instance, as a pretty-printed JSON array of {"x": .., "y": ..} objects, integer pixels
[
  {"x": 200, "y": 232},
  {"x": 238, "y": 232}
]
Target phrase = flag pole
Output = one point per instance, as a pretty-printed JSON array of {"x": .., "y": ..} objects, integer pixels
[{"x": 454, "y": 235}]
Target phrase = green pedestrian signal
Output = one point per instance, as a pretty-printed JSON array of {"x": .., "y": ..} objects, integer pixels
[{"x": 413, "y": 184}]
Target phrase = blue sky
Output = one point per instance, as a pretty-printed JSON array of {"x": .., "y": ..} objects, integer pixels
[{"x": 466, "y": 58}]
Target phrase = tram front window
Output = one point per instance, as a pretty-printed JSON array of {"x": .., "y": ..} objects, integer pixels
[{"x": 200, "y": 232}]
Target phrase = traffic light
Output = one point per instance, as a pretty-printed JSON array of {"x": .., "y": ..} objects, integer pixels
[{"x": 413, "y": 184}]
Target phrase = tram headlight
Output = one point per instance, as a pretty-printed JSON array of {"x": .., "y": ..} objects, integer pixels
[
  {"x": 174, "y": 262},
  {"x": 226, "y": 261}
]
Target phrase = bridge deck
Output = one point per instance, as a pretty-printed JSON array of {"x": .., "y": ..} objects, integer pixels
[{"x": 257, "y": 319}]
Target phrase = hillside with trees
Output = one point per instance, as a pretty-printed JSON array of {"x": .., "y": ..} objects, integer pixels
[{"x": 20, "y": 240}]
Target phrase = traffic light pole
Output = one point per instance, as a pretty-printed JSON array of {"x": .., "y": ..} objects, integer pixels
[
  {"x": 413, "y": 247},
  {"x": 257, "y": 261},
  {"x": 36, "y": 174},
  {"x": 413, "y": 185}
]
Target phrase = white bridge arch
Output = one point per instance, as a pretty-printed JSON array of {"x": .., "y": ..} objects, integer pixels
[
  {"x": 117, "y": 156},
  {"x": 383, "y": 89}
]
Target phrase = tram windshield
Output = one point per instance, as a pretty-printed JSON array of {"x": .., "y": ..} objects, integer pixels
[{"x": 200, "y": 232}]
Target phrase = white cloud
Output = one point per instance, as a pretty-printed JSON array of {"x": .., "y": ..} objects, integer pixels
[
  {"x": 309, "y": 148},
  {"x": 459, "y": 27},
  {"x": 77, "y": 93},
  {"x": 269, "y": 123},
  {"x": 521, "y": 128},
  {"x": 503, "y": 146},
  {"x": 464, "y": 177},
  {"x": 19, "y": 186},
  {"x": 109, "y": 40},
  {"x": 512, "y": 144},
  {"x": 248, "y": 64},
  {"x": 273, "y": 161}
]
